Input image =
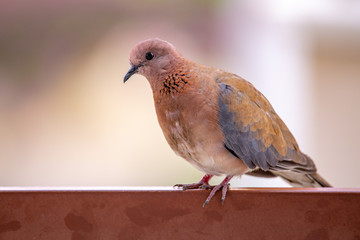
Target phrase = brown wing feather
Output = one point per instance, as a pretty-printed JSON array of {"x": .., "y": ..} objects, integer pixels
[{"x": 254, "y": 132}]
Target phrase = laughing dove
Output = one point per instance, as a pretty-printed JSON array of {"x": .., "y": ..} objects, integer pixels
[{"x": 218, "y": 121}]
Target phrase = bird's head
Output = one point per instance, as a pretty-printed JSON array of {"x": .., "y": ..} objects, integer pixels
[{"x": 152, "y": 58}]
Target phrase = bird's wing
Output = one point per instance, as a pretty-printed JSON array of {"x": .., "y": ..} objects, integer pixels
[{"x": 254, "y": 132}]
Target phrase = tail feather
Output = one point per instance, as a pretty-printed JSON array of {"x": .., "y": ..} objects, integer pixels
[
  {"x": 320, "y": 180},
  {"x": 300, "y": 173},
  {"x": 302, "y": 180}
]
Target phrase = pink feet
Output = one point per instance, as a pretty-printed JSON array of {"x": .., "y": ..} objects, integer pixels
[
  {"x": 204, "y": 184},
  {"x": 224, "y": 185}
]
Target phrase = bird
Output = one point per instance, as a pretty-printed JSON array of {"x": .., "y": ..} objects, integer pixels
[{"x": 218, "y": 121}]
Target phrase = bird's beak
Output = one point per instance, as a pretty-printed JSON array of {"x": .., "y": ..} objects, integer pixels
[{"x": 132, "y": 71}]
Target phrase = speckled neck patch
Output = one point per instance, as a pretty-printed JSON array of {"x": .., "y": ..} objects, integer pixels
[{"x": 175, "y": 83}]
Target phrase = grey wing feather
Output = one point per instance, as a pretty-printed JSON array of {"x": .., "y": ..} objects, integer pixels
[{"x": 243, "y": 143}]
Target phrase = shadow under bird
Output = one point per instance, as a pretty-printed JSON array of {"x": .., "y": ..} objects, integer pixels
[{"x": 218, "y": 121}]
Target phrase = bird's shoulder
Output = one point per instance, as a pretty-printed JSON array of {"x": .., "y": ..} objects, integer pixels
[{"x": 239, "y": 86}]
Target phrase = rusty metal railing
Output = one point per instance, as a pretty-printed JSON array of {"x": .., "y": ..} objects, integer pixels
[{"x": 164, "y": 213}]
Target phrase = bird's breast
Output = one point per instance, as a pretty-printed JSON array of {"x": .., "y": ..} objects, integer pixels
[
  {"x": 189, "y": 121},
  {"x": 189, "y": 124},
  {"x": 178, "y": 132}
]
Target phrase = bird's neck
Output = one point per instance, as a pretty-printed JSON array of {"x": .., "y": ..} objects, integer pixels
[{"x": 173, "y": 81}]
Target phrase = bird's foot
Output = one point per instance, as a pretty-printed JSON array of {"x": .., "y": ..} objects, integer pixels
[
  {"x": 202, "y": 184},
  {"x": 198, "y": 185},
  {"x": 224, "y": 185}
]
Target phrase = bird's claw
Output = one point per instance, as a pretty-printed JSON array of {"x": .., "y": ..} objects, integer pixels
[
  {"x": 179, "y": 186},
  {"x": 224, "y": 188},
  {"x": 223, "y": 195},
  {"x": 206, "y": 187},
  {"x": 206, "y": 202},
  {"x": 199, "y": 185}
]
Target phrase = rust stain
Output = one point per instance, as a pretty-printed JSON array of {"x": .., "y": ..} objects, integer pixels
[
  {"x": 145, "y": 216},
  {"x": 137, "y": 216},
  {"x": 77, "y": 223},
  {"x": 168, "y": 213},
  {"x": 10, "y": 226}
]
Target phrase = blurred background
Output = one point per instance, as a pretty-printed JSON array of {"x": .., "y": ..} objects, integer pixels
[{"x": 67, "y": 119}]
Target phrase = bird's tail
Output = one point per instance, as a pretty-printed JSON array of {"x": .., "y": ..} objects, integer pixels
[
  {"x": 303, "y": 180},
  {"x": 320, "y": 180}
]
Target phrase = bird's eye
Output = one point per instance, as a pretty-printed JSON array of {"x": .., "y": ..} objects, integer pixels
[{"x": 149, "y": 55}]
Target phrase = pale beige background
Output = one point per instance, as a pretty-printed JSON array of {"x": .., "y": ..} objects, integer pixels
[{"x": 66, "y": 118}]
